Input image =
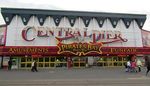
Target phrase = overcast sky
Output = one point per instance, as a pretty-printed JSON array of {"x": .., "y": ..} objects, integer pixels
[{"x": 119, "y": 6}]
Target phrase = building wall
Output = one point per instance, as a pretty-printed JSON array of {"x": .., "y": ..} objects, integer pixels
[
  {"x": 146, "y": 38},
  {"x": 14, "y": 36},
  {"x": 2, "y": 34}
]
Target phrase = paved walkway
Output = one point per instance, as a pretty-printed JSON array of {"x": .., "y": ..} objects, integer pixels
[{"x": 74, "y": 77}]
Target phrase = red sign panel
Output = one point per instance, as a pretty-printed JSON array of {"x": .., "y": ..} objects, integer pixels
[{"x": 53, "y": 51}]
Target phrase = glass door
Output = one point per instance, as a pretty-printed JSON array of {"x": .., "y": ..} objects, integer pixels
[
  {"x": 15, "y": 62},
  {"x": 61, "y": 62},
  {"x": 79, "y": 62},
  {"x": 119, "y": 60},
  {"x": 100, "y": 61}
]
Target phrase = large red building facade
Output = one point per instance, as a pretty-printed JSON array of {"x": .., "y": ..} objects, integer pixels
[{"x": 72, "y": 38}]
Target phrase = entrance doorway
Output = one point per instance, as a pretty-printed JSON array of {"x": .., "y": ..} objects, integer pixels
[
  {"x": 15, "y": 63},
  {"x": 43, "y": 62},
  {"x": 78, "y": 62}
]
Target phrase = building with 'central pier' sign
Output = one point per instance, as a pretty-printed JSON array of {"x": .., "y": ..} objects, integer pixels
[{"x": 57, "y": 38}]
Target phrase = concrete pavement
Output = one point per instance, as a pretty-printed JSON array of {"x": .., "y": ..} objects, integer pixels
[{"x": 74, "y": 77}]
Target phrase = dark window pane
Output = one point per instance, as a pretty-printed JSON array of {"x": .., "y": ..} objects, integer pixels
[
  {"x": 52, "y": 59},
  {"x": 76, "y": 64},
  {"x": 23, "y": 59},
  {"x": 82, "y": 64},
  {"x": 22, "y": 65},
  {"x": 52, "y": 65},
  {"x": 46, "y": 64},
  {"x": 29, "y": 59},
  {"x": 46, "y": 59},
  {"x": 28, "y": 64},
  {"x": 40, "y": 64},
  {"x": 100, "y": 64},
  {"x": 40, "y": 59}
]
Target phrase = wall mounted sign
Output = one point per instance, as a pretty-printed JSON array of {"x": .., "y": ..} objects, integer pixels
[
  {"x": 61, "y": 34},
  {"x": 79, "y": 48},
  {"x": 72, "y": 50}
]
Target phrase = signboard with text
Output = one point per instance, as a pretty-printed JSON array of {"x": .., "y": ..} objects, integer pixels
[{"x": 53, "y": 51}]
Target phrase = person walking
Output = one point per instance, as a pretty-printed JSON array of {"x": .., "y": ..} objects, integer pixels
[
  {"x": 126, "y": 67},
  {"x": 139, "y": 65},
  {"x": 133, "y": 66},
  {"x": 34, "y": 66},
  {"x": 9, "y": 64},
  {"x": 147, "y": 64},
  {"x": 129, "y": 66},
  {"x": 148, "y": 68}
]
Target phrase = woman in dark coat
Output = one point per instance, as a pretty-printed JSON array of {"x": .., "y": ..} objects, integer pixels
[
  {"x": 9, "y": 64},
  {"x": 147, "y": 64},
  {"x": 35, "y": 66},
  {"x": 148, "y": 67}
]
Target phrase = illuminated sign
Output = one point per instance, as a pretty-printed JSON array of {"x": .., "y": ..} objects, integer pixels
[{"x": 80, "y": 48}]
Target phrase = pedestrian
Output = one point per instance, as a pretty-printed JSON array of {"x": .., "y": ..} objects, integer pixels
[
  {"x": 133, "y": 66},
  {"x": 9, "y": 64},
  {"x": 34, "y": 66},
  {"x": 147, "y": 64},
  {"x": 148, "y": 67},
  {"x": 139, "y": 65},
  {"x": 128, "y": 66}
]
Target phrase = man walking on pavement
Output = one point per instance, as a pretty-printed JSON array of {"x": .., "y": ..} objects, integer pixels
[
  {"x": 34, "y": 66},
  {"x": 9, "y": 64}
]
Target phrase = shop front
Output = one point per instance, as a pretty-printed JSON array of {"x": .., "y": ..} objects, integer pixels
[
  {"x": 71, "y": 39},
  {"x": 77, "y": 62},
  {"x": 22, "y": 57}
]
